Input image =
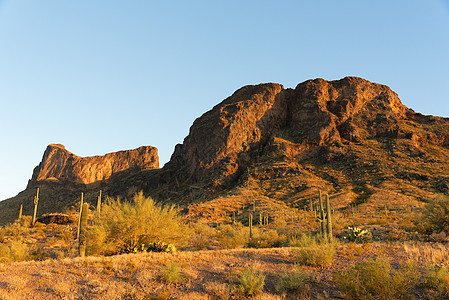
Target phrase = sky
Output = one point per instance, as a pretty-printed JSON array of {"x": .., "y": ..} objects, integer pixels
[{"x": 105, "y": 75}]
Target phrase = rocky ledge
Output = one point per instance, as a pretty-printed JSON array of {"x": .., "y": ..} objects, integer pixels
[{"x": 62, "y": 166}]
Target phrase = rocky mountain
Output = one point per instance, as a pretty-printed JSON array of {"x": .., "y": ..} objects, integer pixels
[
  {"x": 61, "y": 176},
  {"x": 317, "y": 113},
  {"x": 59, "y": 165},
  {"x": 276, "y": 147},
  {"x": 350, "y": 137}
]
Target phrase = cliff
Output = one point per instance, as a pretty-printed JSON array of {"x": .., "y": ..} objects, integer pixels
[
  {"x": 61, "y": 166},
  {"x": 291, "y": 122}
]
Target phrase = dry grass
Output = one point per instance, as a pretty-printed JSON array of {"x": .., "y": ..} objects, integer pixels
[
  {"x": 430, "y": 253},
  {"x": 214, "y": 273},
  {"x": 208, "y": 274}
]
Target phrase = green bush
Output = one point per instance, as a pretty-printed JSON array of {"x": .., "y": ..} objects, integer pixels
[
  {"x": 436, "y": 214},
  {"x": 296, "y": 281},
  {"x": 232, "y": 236},
  {"x": 251, "y": 282},
  {"x": 18, "y": 250},
  {"x": 171, "y": 273},
  {"x": 25, "y": 221},
  {"x": 18, "y": 228},
  {"x": 377, "y": 280},
  {"x": 265, "y": 239},
  {"x": 437, "y": 279},
  {"x": 124, "y": 227},
  {"x": 318, "y": 256},
  {"x": 305, "y": 239},
  {"x": 202, "y": 236},
  {"x": 161, "y": 247},
  {"x": 4, "y": 253},
  {"x": 14, "y": 250}
]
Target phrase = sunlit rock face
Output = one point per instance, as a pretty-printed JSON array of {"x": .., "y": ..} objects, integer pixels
[
  {"x": 60, "y": 165},
  {"x": 317, "y": 113}
]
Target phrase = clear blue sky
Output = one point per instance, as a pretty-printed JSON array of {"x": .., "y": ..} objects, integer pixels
[{"x": 102, "y": 76}]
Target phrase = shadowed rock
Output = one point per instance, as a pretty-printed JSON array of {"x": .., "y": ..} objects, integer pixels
[{"x": 55, "y": 218}]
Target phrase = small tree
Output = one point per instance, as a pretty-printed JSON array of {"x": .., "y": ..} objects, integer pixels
[{"x": 130, "y": 226}]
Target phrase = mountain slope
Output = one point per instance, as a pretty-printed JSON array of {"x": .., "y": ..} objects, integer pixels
[
  {"x": 350, "y": 137},
  {"x": 273, "y": 148}
]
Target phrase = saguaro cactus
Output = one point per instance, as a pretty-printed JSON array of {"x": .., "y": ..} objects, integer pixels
[
  {"x": 329, "y": 219},
  {"x": 99, "y": 204},
  {"x": 36, "y": 201},
  {"x": 251, "y": 225},
  {"x": 79, "y": 216},
  {"x": 322, "y": 216},
  {"x": 82, "y": 229}
]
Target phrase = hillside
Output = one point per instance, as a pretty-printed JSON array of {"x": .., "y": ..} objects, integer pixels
[{"x": 272, "y": 149}]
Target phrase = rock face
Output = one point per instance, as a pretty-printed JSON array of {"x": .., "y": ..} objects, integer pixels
[
  {"x": 237, "y": 125},
  {"x": 223, "y": 141},
  {"x": 59, "y": 165}
]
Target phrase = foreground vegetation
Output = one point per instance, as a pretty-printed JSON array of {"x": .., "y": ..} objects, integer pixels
[
  {"x": 204, "y": 260},
  {"x": 358, "y": 271}
]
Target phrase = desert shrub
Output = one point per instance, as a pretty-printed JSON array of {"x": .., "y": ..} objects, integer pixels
[
  {"x": 217, "y": 289},
  {"x": 289, "y": 231},
  {"x": 161, "y": 247},
  {"x": 171, "y": 273},
  {"x": 202, "y": 236},
  {"x": 232, "y": 236},
  {"x": 376, "y": 279},
  {"x": 18, "y": 228},
  {"x": 296, "y": 281},
  {"x": 436, "y": 214},
  {"x": 265, "y": 239},
  {"x": 251, "y": 282},
  {"x": 317, "y": 256},
  {"x": 437, "y": 279},
  {"x": 358, "y": 235},
  {"x": 124, "y": 227},
  {"x": 66, "y": 234},
  {"x": 305, "y": 239},
  {"x": 25, "y": 221},
  {"x": 309, "y": 239},
  {"x": 39, "y": 255},
  {"x": 19, "y": 250},
  {"x": 397, "y": 234},
  {"x": 14, "y": 250},
  {"x": 4, "y": 253}
]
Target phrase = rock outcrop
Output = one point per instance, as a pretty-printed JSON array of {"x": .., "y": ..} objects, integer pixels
[
  {"x": 223, "y": 141},
  {"x": 59, "y": 165}
]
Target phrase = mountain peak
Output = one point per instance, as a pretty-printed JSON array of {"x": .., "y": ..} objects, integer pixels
[{"x": 62, "y": 166}]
